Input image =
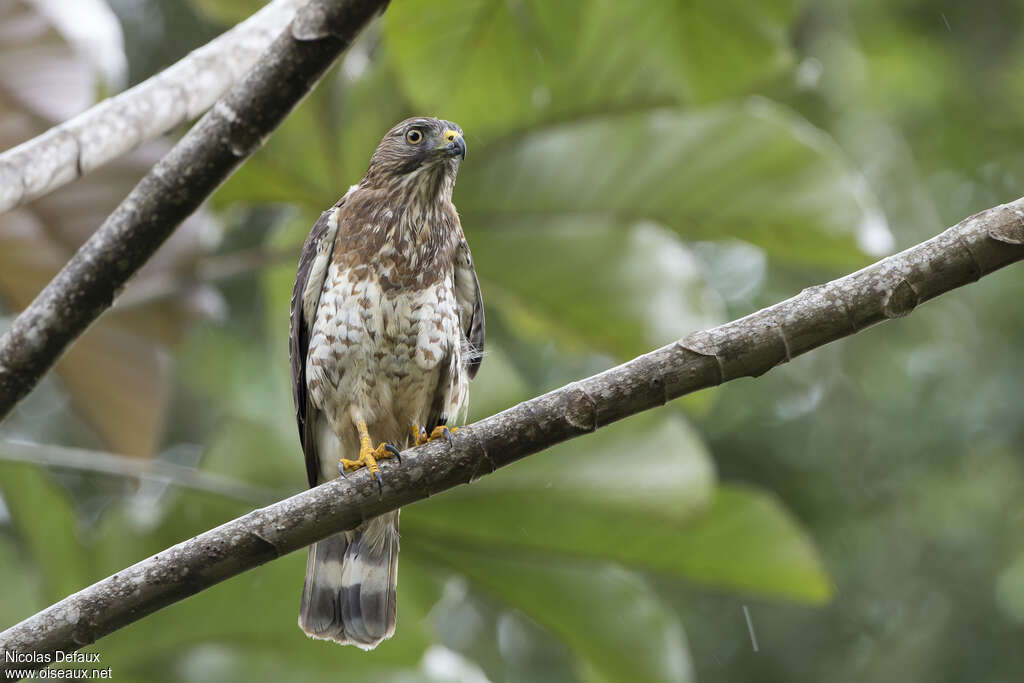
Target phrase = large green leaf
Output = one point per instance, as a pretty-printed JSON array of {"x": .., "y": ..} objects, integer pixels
[
  {"x": 227, "y": 12},
  {"x": 752, "y": 171},
  {"x": 22, "y": 596},
  {"x": 638, "y": 493},
  {"x": 494, "y": 65},
  {"x": 609, "y": 617},
  {"x": 44, "y": 524},
  {"x": 593, "y": 285}
]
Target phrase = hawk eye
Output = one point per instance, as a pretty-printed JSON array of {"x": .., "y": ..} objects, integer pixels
[{"x": 413, "y": 136}]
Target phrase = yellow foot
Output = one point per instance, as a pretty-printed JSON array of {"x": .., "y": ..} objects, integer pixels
[
  {"x": 420, "y": 436},
  {"x": 368, "y": 456}
]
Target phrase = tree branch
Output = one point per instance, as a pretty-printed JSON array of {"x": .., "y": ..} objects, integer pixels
[
  {"x": 749, "y": 346},
  {"x": 117, "y": 125},
  {"x": 174, "y": 188}
]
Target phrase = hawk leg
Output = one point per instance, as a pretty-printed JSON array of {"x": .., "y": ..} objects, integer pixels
[
  {"x": 420, "y": 436},
  {"x": 368, "y": 455}
]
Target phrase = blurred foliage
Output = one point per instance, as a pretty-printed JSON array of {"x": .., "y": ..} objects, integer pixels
[
  {"x": 118, "y": 376},
  {"x": 635, "y": 172}
]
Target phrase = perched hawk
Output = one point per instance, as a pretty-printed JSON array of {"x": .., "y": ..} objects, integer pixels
[{"x": 387, "y": 329}]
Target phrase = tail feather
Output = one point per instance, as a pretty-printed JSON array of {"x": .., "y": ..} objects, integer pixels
[{"x": 351, "y": 577}]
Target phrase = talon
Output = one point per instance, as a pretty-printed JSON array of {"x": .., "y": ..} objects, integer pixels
[
  {"x": 439, "y": 431},
  {"x": 394, "y": 451},
  {"x": 368, "y": 456}
]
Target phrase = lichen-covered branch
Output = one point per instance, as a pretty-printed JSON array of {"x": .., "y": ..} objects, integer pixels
[
  {"x": 174, "y": 188},
  {"x": 750, "y": 346},
  {"x": 118, "y": 125}
]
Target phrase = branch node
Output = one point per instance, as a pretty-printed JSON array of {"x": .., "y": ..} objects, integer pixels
[
  {"x": 581, "y": 409},
  {"x": 243, "y": 138},
  {"x": 784, "y": 338},
  {"x": 266, "y": 541},
  {"x": 1009, "y": 234},
  {"x": 901, "y": 300},
  {"x": 701, "y": 344}
]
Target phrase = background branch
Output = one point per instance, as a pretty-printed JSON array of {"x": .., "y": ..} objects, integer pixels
[
  {"x": 159, "y": 471},
  {"x": 119, "y": 124},
  {"x": 174, "y": 188},
  {"x": 749, "y": 346}
]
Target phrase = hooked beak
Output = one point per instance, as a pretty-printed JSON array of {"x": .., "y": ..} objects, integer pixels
[{"x": 456, "y": 146}]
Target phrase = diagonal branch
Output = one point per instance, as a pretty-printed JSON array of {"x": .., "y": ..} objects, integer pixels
[
  {"x": 174, "y": 188},
  {"x": 117, "y": 125},
  {"x": 749, "y": 346}
]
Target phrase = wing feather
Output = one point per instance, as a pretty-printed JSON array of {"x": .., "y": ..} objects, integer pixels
[
  {"x": 309, "y": 284},
  {"x": 471, "y": 307}
]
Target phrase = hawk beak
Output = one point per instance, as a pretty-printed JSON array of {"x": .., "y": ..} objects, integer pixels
[{"x": 456, "y": 144}]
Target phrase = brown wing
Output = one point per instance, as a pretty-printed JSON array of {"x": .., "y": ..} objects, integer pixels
[
  {"x": 309, "y": 283},
  {"x": 471, "y": 307}
]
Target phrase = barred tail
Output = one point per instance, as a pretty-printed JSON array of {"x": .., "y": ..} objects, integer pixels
[{"x": 349, "y": 596}]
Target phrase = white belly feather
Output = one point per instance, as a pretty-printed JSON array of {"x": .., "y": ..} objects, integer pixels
[{"x": 381, "y": 351}]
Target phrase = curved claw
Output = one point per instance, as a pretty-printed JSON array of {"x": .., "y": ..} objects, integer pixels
[
  {"x": 394, "y": 451},
  {"x": 380, "y": 482},
  {"x": 448, "y": 437},
  {"x": 341, "y": 469}
]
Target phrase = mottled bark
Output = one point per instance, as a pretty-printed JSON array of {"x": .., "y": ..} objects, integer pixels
[
  {"x": 752, "y": 345},
  {"x": 117, "y": 125},
  {"x": 174, "y": 188}
]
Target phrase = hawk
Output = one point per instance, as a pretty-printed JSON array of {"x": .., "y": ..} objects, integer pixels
[{"x": 387, "y": 329}]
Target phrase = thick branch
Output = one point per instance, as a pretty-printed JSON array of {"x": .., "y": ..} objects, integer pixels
[
  {"x": 115, "y": 126},
  {"x": 750, "y": 346},
  {"x": 174, "y": 188}
]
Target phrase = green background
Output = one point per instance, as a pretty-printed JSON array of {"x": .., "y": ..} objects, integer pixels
[{"x": 636, "y": 171}]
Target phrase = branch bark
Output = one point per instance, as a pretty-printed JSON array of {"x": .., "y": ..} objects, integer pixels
[
  {"x": 174, "y": 188},
  {"x": 749, "y": 346},
  {"x": 118, "y": 125}
]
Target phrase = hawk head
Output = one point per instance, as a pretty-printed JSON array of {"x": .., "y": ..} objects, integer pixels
[{"x": 421, "y": 152}]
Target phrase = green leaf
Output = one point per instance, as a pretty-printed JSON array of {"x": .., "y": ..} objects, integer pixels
[
  {"x": 492, "y": 65},
  {"x": 654, "y": 463},
  {"x": 1009, "y": 590},
  {"x": 750, "y": 171},
  {"x": 227, "y": 12},
  {"x": 721, "y": 48},
  {"x": 748, "y": 542},
  {"x": 610, "y": 618},
  {"x": 639, "y": 493},
  {"x": 44, "y": 522},
  {"x": 22, "y": 594},
  {"x": 622, "y": 291}
]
